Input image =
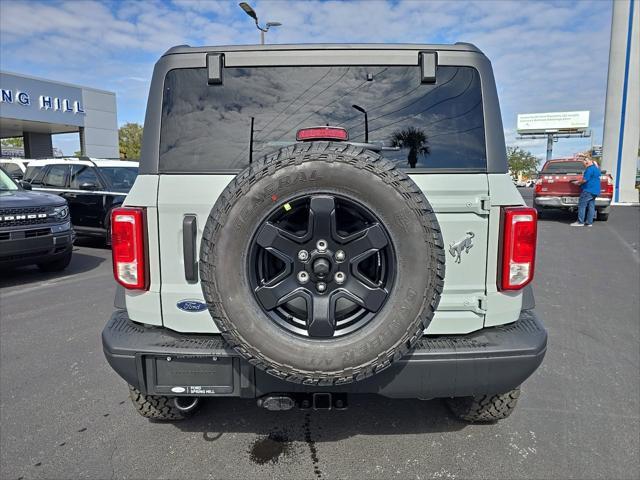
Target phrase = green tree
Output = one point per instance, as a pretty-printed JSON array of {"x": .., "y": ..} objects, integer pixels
[
  {"x": 130, "y": 139},
  {"x": 415, "y": 140},
  {"x": 521, "y": 162},
  {"x": 14, "y": 142}
]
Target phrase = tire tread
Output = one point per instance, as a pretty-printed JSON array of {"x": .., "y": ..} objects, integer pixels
[
  {"x": 485, "y": 408},
  {"x": 156, "y": 407},
  {"x": 329, "y": 152}
]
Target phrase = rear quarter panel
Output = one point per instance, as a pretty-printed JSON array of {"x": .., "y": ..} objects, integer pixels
[
  {"x": 501, "y": 307},
  {"x": 144, "y": 307}
]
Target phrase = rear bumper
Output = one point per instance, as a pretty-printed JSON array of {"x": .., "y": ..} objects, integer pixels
[
  {"x": 20, "y": 250},
  {"x": 561, "y": 202},
  {"x": 159, "y": 361}
]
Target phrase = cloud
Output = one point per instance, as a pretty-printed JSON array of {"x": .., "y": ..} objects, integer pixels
[{"x": 547, "y": 56}]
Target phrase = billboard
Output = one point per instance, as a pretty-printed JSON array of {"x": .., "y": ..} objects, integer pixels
[{"x": 553, "y": 122}]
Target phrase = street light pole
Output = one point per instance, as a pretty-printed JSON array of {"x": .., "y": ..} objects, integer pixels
[
  {"x": 252, "y": 13},
  {"x": 366, "y": 122},
  {"x": 549, "y": 146}
]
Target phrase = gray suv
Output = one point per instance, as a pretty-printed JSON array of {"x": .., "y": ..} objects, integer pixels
[{"x": 316, "y": 221}]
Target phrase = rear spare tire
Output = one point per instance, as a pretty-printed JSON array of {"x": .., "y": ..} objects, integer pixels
[{"x": 322, "y": 264}]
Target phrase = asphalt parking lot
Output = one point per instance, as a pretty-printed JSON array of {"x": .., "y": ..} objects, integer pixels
[{"x": 65, "y": 414}]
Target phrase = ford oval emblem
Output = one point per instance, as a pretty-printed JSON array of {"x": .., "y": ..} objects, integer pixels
[{"x": 191, "y": 305}]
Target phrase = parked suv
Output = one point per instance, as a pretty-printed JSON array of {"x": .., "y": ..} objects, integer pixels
[
  {"x": 556, "y": 187},
  {"x": 93, "y": 188},
  {"x": 316, "y": 221},
  {"x": 34, "y": 227}
]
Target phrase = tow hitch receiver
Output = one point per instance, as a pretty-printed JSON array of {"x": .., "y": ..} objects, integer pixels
[{"x": 315, "y": 401}]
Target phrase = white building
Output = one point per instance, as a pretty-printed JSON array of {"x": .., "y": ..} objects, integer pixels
[{"x": 36, "y": 109}]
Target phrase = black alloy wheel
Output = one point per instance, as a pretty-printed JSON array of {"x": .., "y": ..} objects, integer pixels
[{"x": 321, "y": 266}]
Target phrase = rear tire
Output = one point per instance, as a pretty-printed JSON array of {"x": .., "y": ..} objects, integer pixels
[
  {"x": 156, "y": 407},
  {"x": 602, "y": 217},
  {"x": 56, "y": 265},
  {"x": 331, "y": 170},
  {"x": 484, "y": 408}
]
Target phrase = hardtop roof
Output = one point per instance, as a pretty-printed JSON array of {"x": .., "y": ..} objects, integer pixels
[
  {"x": 458, "y": 46},
  {"x": 80, "y": 161}
]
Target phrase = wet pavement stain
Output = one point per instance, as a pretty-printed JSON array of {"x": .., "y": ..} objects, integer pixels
[
  {"x": 270, "y": 449},
  {"x": 210, "y": 437},
  {"x": 312, "y": 445}
]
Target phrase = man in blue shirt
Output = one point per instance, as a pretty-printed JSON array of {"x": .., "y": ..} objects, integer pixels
[{"x": 590, "y": 185}]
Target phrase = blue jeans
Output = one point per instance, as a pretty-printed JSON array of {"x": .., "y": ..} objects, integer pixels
[{"x": 586, "y": 203}]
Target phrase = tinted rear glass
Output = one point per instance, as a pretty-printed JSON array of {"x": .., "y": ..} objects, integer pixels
[
  {"x": 120, "y": 178},
  {"x": 563, "y": 167},
  {"x": 12, "y": 169},
  {"x": 208, "y": 127}
]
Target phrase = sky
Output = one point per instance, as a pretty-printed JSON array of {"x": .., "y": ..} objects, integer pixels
[{"x": 547, "y": 56}]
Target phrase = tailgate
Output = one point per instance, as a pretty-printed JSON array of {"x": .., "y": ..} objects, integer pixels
[
  {"x": 181, "y": 196},
  {"x": 461, "y": 204},
  {"x": 560, "y": 185}
]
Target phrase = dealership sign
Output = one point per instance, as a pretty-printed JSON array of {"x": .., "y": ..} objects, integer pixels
[
  {"x": 45, "y": 102},
  {"x": 553, "y": 122}
]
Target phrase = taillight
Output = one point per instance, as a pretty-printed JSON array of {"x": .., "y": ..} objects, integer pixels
[
  {"x": 128, "y": 247},
  {"x": 608, "y": 189},
  {"x": 519, "y": 231},
  {"x": 538, "y": 185},
  {"x": 322, "y": 133}
]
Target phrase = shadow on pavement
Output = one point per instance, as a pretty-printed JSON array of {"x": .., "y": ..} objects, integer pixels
[
  {"x": 92, "y": 242},
  {"x": 81, "y": 261},
  {"x": 561, "y": 216},
  {"x": 367, "y": 415}
]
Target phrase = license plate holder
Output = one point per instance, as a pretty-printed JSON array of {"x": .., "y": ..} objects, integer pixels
[
  {"x": 571, "y": 200},
  {"x": 191, "y": 375}
]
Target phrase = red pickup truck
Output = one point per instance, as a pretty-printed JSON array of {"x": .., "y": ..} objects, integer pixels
[{"x": 555, "y": 187}]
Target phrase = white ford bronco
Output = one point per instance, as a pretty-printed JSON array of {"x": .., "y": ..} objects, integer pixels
[{"x": 317, "y": 221}]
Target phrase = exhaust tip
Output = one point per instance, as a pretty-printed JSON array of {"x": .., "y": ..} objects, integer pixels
[
  {"x": 186, "y": 404},
  {"x": 277, "y": 403}
]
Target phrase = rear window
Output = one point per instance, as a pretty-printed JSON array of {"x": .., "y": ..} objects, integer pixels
[
  {"x": 208, "y": 128},
  {"x": 563, "y": 167},
  {"x": 12, "y": 169},
  {"x": 120, "y": 178}
]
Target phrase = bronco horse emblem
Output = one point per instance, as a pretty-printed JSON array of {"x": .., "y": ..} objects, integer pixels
[{"x": 464, "y": 245}]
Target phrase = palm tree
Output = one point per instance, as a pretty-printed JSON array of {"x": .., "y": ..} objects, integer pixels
[{"x": 415, "y": 140}]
